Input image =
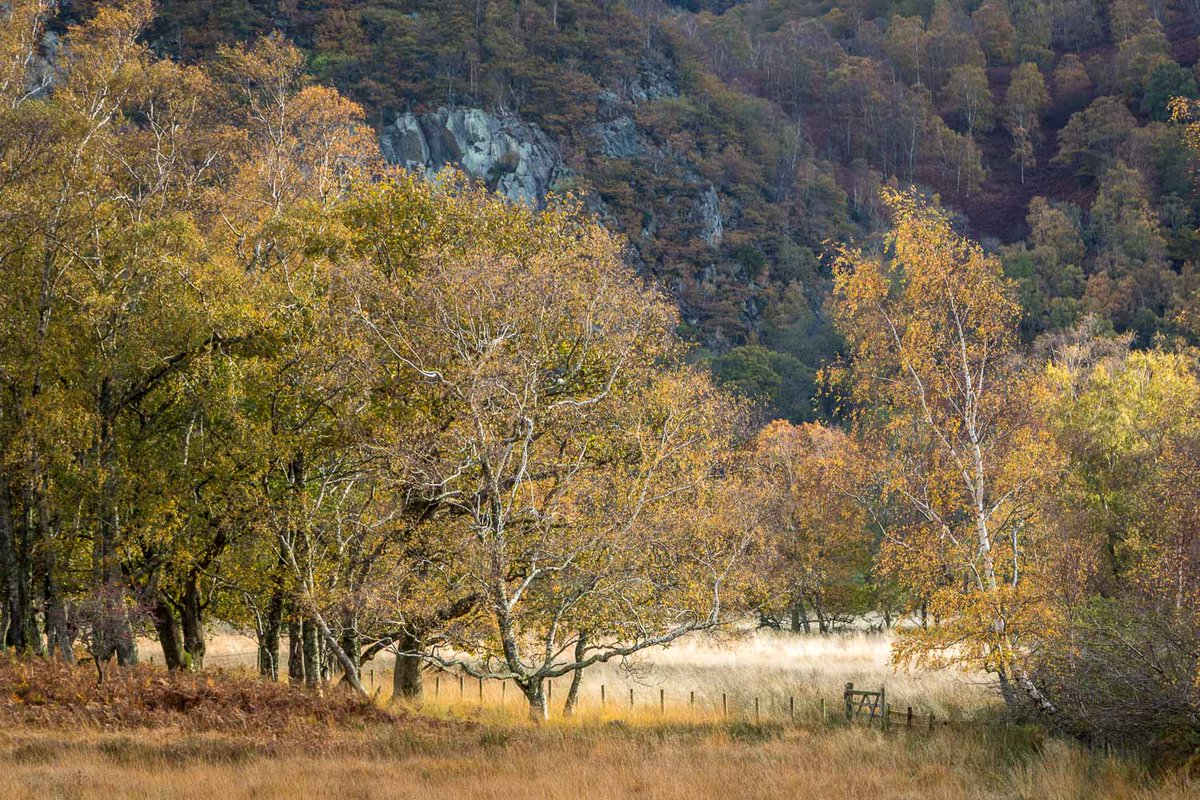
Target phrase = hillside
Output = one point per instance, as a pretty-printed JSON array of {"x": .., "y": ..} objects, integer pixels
[{"x": 730, "y": 141}]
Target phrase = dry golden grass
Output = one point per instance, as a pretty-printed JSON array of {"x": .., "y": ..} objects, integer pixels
[
  {"x": 490, "y": 750},
  {"x": 593, "y": 762},
  {"x": 781, "y": 670}
]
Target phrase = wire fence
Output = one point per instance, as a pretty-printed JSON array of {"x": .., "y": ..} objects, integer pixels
[{"x": 457, "y": 692}]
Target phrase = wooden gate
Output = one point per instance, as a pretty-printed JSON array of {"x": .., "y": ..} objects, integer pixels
[{"x": 871, "y": 704}]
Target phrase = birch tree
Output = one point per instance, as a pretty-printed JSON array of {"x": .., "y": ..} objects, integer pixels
[
  {"x": 931, "y": 325},
  {"x": 566, "y": 452}
]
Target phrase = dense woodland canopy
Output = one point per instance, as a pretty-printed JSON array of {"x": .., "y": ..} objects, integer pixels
[{"x": 251, "y": 373}]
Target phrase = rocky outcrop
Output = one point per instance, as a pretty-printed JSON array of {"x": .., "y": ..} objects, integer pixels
[
  {"x": 653, "y": 81},
  {"x": 709, "y": 211},
  {"x": 513, "y": 157},
  {"x": 617, "y": 138}
]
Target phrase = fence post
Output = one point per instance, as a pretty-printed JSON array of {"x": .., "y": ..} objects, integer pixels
[
  {"x": 755, "y": 710},
  {"x": 724, "y": 706},
  {"x": 908, "y": 718},
  {"x": 792, "y": 709},
  {"x": 662, "y": 701},
  {"x": 883, "y": 707},
  {"x": 437, "y": 685},
  {"x": 846, "y": 696},
  {"x": 503, "y": 692},
  {"x": 461, "y": 691},
  {"x": 930, "y": 720},
  {"x": 481, "y": 691},
  {"x": 823, "y": 717},
  {"x": 692, "y": 701},
  {"x": 549, "y": 690},
  {"x": 602, "y": 695}
]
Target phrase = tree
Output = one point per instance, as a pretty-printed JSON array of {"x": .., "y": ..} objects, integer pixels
[
  {"x": 931, "y": 330},
  {"x": 1072, "y": 85},
  {"x": 1139, "y": 56},
  {"x": 1130, "y": 250},
  {"x": 1121, "y": 649},
  {"x": 1166, "y": 82},
  {"x": 905, "y": 45},
  {"x": 1049, "y": 268},
  {"x": 1024, "y": 103},
  {"x": 1128, "y": 18},
  {"x": 995, "y": 32},
  {"x": 106, "y": 273},
  {"x": 971, "y": 97},
  {"x": 1096, "y": 137},
  {"x": 816, "y": 533},
  {"x": 768, "y": 377},
  {"x": 573, "y": 462}
]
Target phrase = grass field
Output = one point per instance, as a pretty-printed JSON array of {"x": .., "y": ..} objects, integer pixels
[
  {"x": 594, "y": 762},
  {"x": 780, "y": 669},
  {"x": 227, "y": 737}
]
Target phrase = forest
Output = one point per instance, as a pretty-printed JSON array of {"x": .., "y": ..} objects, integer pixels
[{"x": 887, "y": 315}]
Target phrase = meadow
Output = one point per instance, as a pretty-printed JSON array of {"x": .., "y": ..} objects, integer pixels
[
  {"x": 790, "y": 675},
  {"x": 452, "y": 745}
]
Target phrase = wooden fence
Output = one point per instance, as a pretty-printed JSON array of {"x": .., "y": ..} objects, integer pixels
[
  {"x": 859, "y": 705},
  {"x": 873, "y": 705}
]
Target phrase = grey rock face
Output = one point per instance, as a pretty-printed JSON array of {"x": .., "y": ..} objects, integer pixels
[
  {"x": 713, "y": 226},
  {"x": 653, "y": 82},
  {"x": 513, "y": 157},
  {"x": 617, "y": 138}
]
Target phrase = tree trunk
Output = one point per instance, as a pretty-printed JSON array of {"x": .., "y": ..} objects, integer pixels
[
  {"x": 268, "y": 637},
  {"x": 59, "y": 639},
  {"x": 800, "y": 617},
  {"x": 191, "y": 612},
  {"x": 10, "y": 605},
  {"x": 351, "y": 645},
  {"x": 349, "y": 668},
  {"x": 576, "y": 677},
  {"x": 27, "y": 638},
  {"x": 535, "y": 693},
  {"x": 58, "y": 634},
  {"x": 168, "y": 633},
  {"x": 819, "y": 610},
  {"x": 295, "y": 652},
  {"x": 407, "y": 681},
  {"x": 312, "y": 653},
  {"x": 105, "y": 560}
]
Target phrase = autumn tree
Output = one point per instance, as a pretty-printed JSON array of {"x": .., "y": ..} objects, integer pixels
[
  {"x": 109, "y": 298},
  {"x": 1072, "y": 85},
  {"x": 818, "y": 542},
  {"x": 1130, "y": 253},
  {"x": 574, "y": 468},
  {"x": 971, "y": 96},
  {"x": 1024, "y": 103},
  {"x": 1121, "y": 650},
  {"x": 993, "y": 28},
  {"x": 1049, "y": 267},
  {"x": 1139, "y": 56},
  {"x": 1096, "y": 137},
  {"x": 905, "y": 44},
  {"x": 931, "y": 330}
]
